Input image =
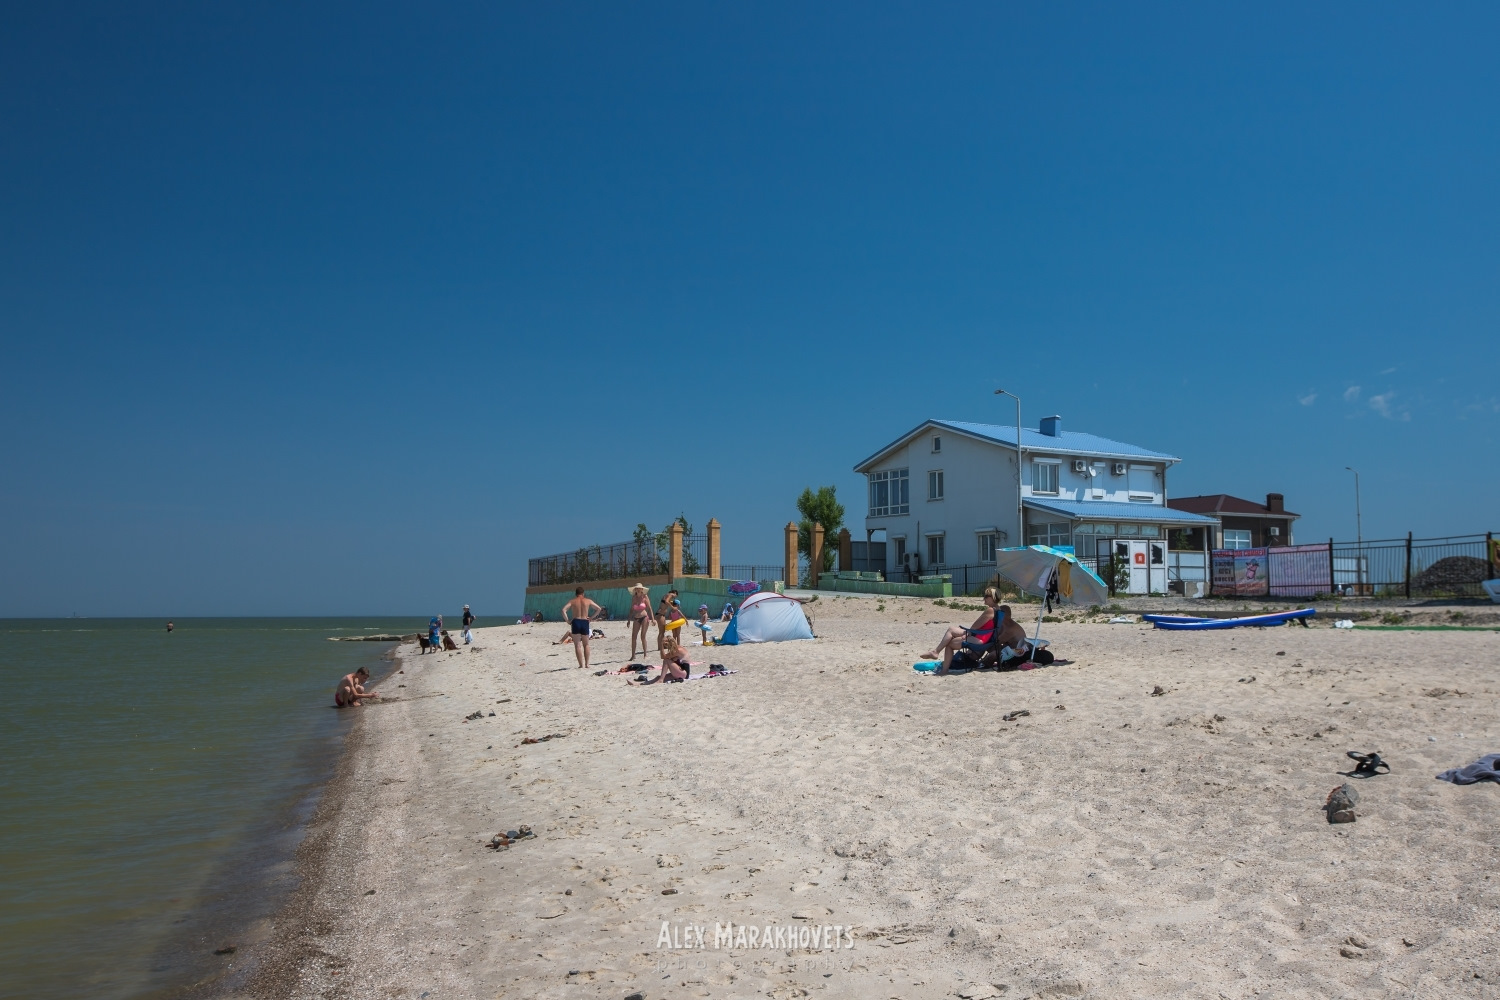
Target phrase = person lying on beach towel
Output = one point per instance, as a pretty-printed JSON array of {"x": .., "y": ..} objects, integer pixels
[
  {"x": 1025, "y": 651},
  {"x": 352, "y": 688}
]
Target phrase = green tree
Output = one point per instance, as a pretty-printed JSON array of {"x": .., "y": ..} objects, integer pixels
[{"x": 824, "y": 508}]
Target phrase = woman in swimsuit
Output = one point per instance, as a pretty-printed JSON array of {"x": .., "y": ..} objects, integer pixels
[
  {"x": 981, "y": 631},
  {"x": 674, "y": 664},
  {"x": 352, "y": 688},
  {"x": 667, "y": 612},
  {"x": 640, "y": 615}
]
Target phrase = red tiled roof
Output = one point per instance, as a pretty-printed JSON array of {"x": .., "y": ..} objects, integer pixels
[{"x": 1223, "y": 503}]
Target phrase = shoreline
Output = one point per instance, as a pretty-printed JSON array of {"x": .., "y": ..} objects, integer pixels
[
  {"x": 302, "y": 916},
  {"x": 262, "y": 936},
  {"x": 1118, "y": 839}
]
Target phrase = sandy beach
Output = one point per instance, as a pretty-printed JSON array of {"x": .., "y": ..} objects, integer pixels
[{"x": 1112, "y": 843}]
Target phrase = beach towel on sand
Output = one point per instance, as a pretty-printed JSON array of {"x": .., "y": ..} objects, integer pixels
[{"x": 1482, "y": 769}]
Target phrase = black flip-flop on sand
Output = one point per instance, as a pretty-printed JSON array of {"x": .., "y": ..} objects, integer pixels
[
  {"x": 1367, "y": 765},
  {"x": 1013, "y": 716}
]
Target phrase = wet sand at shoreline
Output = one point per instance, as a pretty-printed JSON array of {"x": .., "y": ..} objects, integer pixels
[{"x": 1111, "y": 843}]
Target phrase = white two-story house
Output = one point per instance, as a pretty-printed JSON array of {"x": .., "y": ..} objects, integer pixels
[{"x": 945, "y": 496}]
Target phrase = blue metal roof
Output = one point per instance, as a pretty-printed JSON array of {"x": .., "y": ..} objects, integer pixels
[
  {"x": 1066, "y": 443},
  {"x": 1101, "y": 510}
]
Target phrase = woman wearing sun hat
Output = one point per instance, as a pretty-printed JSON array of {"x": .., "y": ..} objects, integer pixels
[{"x": 640, "y": 616}]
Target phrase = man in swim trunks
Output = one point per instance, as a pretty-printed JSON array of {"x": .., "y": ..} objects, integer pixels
[
  {"x": 577, "y": 611},
  {"x": 352, "y": 688}
]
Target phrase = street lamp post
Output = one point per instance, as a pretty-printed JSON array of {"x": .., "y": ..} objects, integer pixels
[
  {"x": 1359, "y": 535},
  {"x": 1020, "y": 507}
]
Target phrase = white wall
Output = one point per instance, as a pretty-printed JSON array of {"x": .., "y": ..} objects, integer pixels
[
  {"x": 980, "y": 491},
  {"x": 1105, "y": 485}
]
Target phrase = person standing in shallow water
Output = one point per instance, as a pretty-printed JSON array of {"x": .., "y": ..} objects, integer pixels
[
  {"x": 577, "y": 611},
  {"x": 169, "y": 626}
]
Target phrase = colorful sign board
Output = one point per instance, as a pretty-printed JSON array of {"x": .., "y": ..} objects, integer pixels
[{"x": 1241, "y": 572}]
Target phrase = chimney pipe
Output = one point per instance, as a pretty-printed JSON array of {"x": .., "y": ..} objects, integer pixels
[
  {"x": 1051, "y": 426},
  {"x": 1275, "y": 503}
]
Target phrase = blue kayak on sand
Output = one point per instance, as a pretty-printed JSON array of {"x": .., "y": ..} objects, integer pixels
[{"x": 1187, "y": 623}]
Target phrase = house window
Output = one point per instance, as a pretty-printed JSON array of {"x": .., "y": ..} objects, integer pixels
[
  {"x": 987, "y": 547},
  {"x": 901, "y": 551},
  {"x": 890, "y": 492},
  {"x": 1237, "y": 538},
  {"x": 935, "y": 554},
  {"x": 1044, "y": 477},
  {"x": 937, "y": 445},
  {"x": 1142, "y": 482},
  {"x": 935, "y": 485},
  {"x": 1056, "y": 533}
]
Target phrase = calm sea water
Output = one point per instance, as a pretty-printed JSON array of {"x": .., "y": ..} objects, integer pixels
[{"x": 153, "y": 788}]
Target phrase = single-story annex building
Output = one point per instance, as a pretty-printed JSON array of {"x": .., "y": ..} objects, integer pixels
[{"x": 944, "y": 495}]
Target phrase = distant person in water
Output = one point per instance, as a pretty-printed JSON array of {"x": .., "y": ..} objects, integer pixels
[
  {"x": 169, "y": 626},
  {"x": 577, "y": 611},
  {"x": 352, "y": 688}
]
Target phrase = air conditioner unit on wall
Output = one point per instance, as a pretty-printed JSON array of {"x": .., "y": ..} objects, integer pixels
[
  {"x": 1118, "y": 468},
  {"x": 1275, "y": 531},
  {"x": 1079, "y": 465}
]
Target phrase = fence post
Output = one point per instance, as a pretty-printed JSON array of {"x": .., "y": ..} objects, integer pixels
[
  {"x": 674, "y": 551},
  {"x": 1489, "y": 553},
  {"x": 715, "y": 565},
  {"x": 789, "y": 567},
  {"x": 1332, "y": 587},
  {"x": 1111, "y": 580},
  {"x": 815, "y": 555},
  {"x": 1408, "y": 564},
  {"x": 846, "y": 550}
]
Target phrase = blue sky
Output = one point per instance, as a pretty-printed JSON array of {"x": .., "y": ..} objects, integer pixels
[{"x": 350, "y": 309}]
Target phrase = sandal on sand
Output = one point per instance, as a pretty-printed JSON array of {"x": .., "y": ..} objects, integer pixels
[
  {"x": 1367, "y": 765},
  {"x": 1013, "y": 716}
]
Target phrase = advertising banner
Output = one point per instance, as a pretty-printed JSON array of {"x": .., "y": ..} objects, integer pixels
[
  {"x": 1240, "y": 572},
  {"x": 1299, "y": 570}
]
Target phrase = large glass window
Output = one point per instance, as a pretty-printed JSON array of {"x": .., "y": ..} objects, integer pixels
[
  {"x": 1237, "y": 538},
  {"x": 1056, "y": 533},
  {"x": 1044, "y": 477},
  {"x": 890, "y": 492},
  {"x": 935, "y": 485}
]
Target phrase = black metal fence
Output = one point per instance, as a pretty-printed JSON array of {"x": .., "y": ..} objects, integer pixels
[
  {"x": 1412, "y": 567},
  {"x": 1454, "y": 566},
  {"x": 598, "y": 562},
  {"x": 752, "y": 571},
  {"x": 647, "y": 557}
]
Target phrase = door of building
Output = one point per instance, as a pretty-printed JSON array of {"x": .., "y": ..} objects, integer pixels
[
  {"x": 1157, "y": 566},
  {"x": 1140, "y": 569}
]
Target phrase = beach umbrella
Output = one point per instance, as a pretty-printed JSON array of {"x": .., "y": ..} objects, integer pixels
[{"x": 1052, "y": 572}]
